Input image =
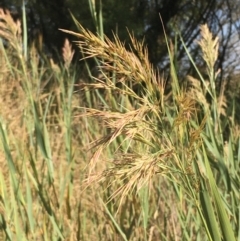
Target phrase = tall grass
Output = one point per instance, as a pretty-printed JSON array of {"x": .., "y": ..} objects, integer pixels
[{"x": 125, "y": 156}]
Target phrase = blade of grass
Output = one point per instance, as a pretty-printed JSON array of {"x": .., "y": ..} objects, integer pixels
[
  {"x": 114, "y": 221},
  {"x": 175, "y": 85},
  {"x": 225, "y": 224},
  {"x": 29, "y": 201},
  {"x": 25, "y": 37},
  {"x": 143, "y": 194},
  {"x": 208, "y": 211}
]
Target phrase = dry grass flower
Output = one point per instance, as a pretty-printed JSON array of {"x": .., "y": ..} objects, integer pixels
[
  {"x": 209, "y": 46},
  {"x": 67, "y": 53}
]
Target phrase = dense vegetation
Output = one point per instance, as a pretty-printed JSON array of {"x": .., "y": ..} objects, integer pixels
[{"x": 121, "y": 154}]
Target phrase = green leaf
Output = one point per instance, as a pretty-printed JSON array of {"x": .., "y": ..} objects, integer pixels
[{"x": 225, "y": 224}]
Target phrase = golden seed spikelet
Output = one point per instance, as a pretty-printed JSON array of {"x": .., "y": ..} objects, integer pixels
[
  {"x": 209, "y": 46},
  {"x": 67, "y": 53}
]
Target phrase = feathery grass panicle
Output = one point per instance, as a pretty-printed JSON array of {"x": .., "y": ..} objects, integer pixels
[
  {"x": 137, "y": 171},
  {"x": 67, "y": 53},
  {"x": 114, "y": 57},
  {"x": 222, "y": 100},
  {"x": 209, "y": 47},
  {"x": 197, "y": 92},
  {"x": 187, "y": 108},
  {"x": 10, "y": 30},
  {"x": 129, "y": 68}
]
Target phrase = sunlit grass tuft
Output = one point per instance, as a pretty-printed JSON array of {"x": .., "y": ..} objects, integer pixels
[{"x": 125, "y": 156}]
